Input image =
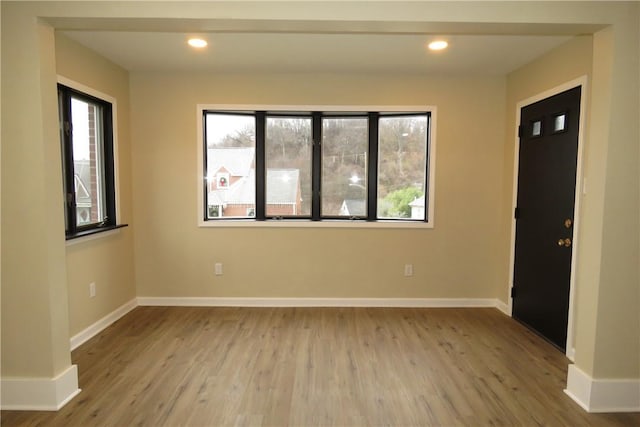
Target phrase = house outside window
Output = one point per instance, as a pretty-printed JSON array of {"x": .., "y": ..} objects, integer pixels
[{"x": 222, "y": 180}]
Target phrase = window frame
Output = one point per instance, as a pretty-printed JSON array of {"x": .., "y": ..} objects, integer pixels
[
  {"x": 66, "y": 89},
  {"x": 317, "y": 113}
]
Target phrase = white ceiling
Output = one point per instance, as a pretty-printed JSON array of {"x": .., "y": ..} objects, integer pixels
[{"x": 295, "y": 52}]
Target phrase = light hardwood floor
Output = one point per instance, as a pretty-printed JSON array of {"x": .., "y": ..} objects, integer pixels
[{"x": 180, "y": 366}]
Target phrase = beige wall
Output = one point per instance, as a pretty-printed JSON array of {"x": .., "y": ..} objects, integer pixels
[
  {"x": 35, "y": 315},
  {"x": 457, "y": 259},
  {"x": 108, "y": 260},
  {"x": 616, "y": 339},
  {"x": 35, "y": 336}
]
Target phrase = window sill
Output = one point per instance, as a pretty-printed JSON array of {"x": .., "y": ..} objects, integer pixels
[
  {"x": 249, "y": 223},
  {"x": 95, "y": 233}
]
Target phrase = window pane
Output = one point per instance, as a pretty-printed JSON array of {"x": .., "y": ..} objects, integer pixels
[
  {"x": 344, "y": 166},
  {"x": 288, "y": 157},
  {"x": 536, "y": 128},
  {"x": 402, "y": 159},
  {"x": 231, "y": 176},
  {"x": 87, "y": 162},
  {"x": 559, "y": 123}
]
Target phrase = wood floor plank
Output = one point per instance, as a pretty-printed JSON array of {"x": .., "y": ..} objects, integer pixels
[{"x": 182, "y": 366}]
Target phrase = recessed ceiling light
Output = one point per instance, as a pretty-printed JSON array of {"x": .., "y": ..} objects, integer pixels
[
  {"x": 438, "y": 45},
  {"x": 197, "y": 43}
]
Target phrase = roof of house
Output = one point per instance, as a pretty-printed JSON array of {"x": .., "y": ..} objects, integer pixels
[
  {"x": 353, "y": 207},
  {"x": 417, "y": 203},
  {"x": 241, "y": 192},
  {"x": 237, "y": 161},
  {"x": 282, "y": 188}
]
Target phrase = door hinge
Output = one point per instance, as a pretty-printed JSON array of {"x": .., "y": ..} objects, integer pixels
[
  {"x": 513, "y": 291},
  {"x": 516, "y": 213},
  {"x": 519, "y": 131}
]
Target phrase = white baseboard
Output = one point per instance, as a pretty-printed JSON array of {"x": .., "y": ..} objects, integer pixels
[
  {"x": 316, "y": 302},
  {"x": 503, "y": 307},
  {"x": 603, "y": 395},
  {"x": 40, "y": 394},
  {"x": 85, "y": 335}
]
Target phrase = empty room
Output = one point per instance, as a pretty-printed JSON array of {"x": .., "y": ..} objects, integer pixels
[{"x": 301, "y": 213}]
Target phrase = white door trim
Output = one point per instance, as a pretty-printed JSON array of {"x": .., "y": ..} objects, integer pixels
[{"x": 580, "y": 191}]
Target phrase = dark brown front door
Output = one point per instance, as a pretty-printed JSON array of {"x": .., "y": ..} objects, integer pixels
[{"x": 545, "y": 214}]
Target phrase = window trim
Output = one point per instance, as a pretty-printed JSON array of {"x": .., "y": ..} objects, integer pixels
[
  {"x": 81, "y": 89},
  {"x": 324, "y": 222}
]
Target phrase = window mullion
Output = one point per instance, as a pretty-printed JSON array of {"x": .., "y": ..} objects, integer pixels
[
  {"x": 372, "y": 168},
  {"x": 261, "y": 120},
  {"x": 316, "y": 167}
]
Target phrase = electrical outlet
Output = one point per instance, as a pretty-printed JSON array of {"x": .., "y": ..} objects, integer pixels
[
  {"x": 218, "y": 269},
  {"x": 92, "y": 289},
  {"x": 408, "y": 270}
]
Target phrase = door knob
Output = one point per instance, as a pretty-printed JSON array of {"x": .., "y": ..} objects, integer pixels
[{"x": 564, "y": 242}]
